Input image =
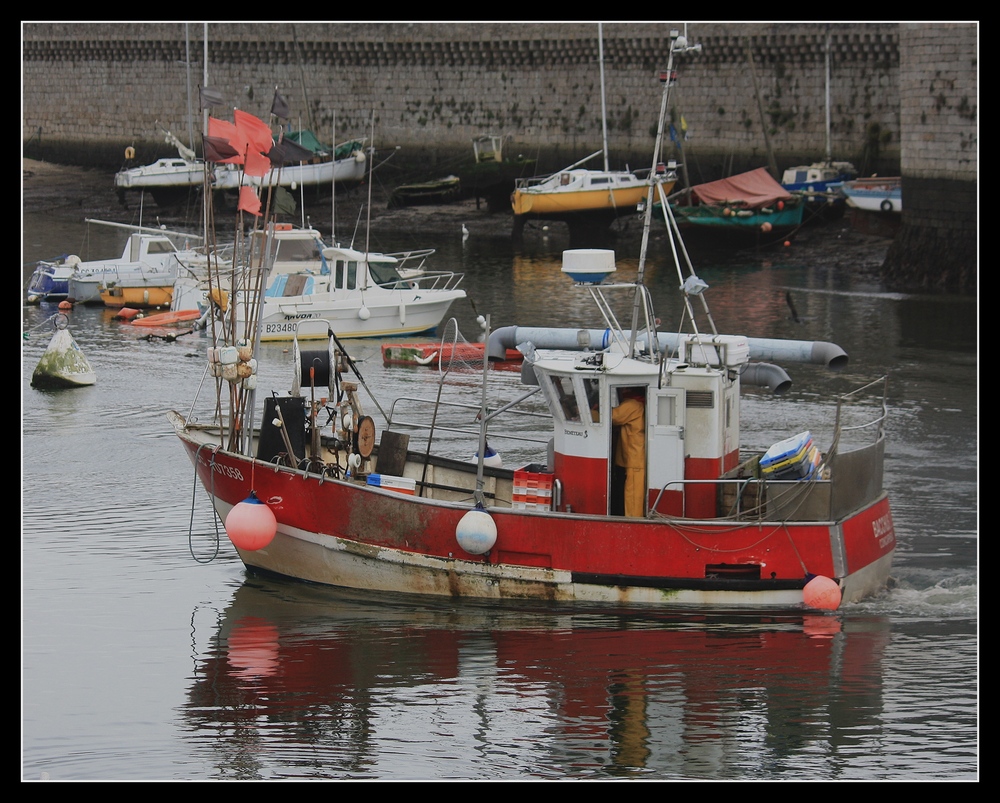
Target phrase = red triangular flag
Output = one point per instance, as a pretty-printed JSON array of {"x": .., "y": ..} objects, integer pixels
[
  {"x": 257, "y": 164},
  {"x": 249, "y": 202},
  {"x": 254, "y": 130}
]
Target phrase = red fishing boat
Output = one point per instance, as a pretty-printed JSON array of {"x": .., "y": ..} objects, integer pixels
[{"x": 639, "y": 493}]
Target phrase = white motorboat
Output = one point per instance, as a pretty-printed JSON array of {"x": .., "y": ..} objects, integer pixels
[
  {"x": 349, "y": 292},
  {"x": 150, "y": 260},
  {"x": 875, "y": 194}
]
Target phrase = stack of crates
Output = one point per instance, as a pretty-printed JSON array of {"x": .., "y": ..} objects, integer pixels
[
  {"x": 532, "y": 490},
  {"x": 795, "y": 458},
  {"x": 403, "y": 485}
]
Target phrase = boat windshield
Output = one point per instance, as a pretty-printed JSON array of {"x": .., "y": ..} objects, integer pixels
[
  {"x": 299, "y": 250},
  {"x": 161, "y": 247},
  {"x": 292, "y": 249},
  {"x": 384, "y": 273}
]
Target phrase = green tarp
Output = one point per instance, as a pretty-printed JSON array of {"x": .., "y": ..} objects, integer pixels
[{"x": 307, "y": 139}]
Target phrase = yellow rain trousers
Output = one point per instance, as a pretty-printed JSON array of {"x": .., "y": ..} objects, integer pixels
[{"x": 630, "y": 453}]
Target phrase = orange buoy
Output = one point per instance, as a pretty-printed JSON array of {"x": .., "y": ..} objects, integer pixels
[
  {"x": 65, "y": 304},
  {"x": 781, "y": 205},
  {"x": 787, "y": 243},
  {"x": 822, "y": 593},
  {"x": 251, "y": 524}
]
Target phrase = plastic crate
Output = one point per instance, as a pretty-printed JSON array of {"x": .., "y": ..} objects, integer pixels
[
  {"x": 794, "y": 458},
  {"x": 532, "y": 490}
]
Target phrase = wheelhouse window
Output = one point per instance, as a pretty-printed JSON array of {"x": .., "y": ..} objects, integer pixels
[
  {"x": 592, "y": 390},
  {"x": 346, "y": 275}
]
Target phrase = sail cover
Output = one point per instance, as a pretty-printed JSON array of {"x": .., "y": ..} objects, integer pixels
[{"x": 753, "y": 190}]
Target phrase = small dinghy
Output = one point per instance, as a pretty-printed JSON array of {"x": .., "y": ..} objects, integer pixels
[
  {"x": 167, "y": 318},
  {"x": 62, "y": 365}
]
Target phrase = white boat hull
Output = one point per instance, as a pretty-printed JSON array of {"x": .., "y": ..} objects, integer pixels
[
  {"x": 876, "y": 203},
  {"x": 306, "y": 175},
  {"x": 162, "y": 174},
  {"x": 174, "y": 174},
  {"x": 311, "y": 316},
  {"x": 874, "y": 195}
]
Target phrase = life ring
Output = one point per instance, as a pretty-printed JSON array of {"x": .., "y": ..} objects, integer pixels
[
  {"x": 130, "y": 152},
  {"x": 886, "y": 205}
]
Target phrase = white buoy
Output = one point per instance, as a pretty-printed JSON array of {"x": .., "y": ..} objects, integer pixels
[{"x": 476, "y": 532}]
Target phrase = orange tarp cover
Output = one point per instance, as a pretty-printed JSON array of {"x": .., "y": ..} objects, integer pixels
[{"x": 752, "y": 190}]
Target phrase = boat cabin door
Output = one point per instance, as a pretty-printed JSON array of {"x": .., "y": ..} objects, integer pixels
[
  {"x": 665, "y": 422},
  {"x": 647, "y": 433}
]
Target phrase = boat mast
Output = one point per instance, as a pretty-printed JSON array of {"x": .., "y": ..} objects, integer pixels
[
  {"x": 829, "y": 148},
  {"x": 187, "y": 71},
  {"x": 206, "y": 187},
  {"x": 368, "y": 226},
  {"x": 678, "y": 44},
  {"x": 333, "y": 183},
  {"x": 604, "y": 114}
]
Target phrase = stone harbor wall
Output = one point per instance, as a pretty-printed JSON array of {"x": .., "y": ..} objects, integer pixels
[{"x": 937, "y": 246}]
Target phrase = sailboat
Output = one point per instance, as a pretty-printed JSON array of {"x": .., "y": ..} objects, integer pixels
[
  {"x": 324, "y": 166},
  {"x": 818, "y": 183},
  {"x": 637, "y": 493},
  {"x": 171, "y": 178},
  {"x": 166, "y": 179},
  {"x": 577, "y": 191}
]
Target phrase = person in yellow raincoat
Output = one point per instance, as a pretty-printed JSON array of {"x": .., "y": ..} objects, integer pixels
[{"x": 630, "y": 452}]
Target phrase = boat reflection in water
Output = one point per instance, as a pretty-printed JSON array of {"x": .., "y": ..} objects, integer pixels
[{"x": 327, "y": 681}]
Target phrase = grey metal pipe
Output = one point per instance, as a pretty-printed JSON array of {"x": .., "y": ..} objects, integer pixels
[
  {"x": 766, "y": 375},
  {"x": 816, "y": 352}
]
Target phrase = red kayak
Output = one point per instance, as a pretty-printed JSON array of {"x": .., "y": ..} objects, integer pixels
[{"x": 167, "y": 318}]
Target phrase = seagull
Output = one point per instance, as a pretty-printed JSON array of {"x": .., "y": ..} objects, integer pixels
[{"x": 465, "y": 232}]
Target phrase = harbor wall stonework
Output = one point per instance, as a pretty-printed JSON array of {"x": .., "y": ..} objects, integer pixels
[
  {"x": 937, "y": 247},
  {"x": 903, "y": 96}
]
